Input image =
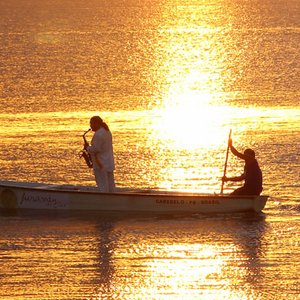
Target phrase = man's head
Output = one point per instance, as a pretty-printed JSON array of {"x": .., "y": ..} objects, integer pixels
[
  {"x": 249, "y": 153},
  {"x": 96, "y": 123}
]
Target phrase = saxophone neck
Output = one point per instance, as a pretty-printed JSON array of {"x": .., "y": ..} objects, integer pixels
[
  {"x": 85, "y": 141},
  {"x": 86, "y": 132}
]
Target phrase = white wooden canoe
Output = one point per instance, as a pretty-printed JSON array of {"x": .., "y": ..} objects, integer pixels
[{"x": 19, "y": 195}]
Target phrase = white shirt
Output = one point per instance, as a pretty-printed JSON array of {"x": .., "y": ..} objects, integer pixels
[{"x": 101, "y": 149}]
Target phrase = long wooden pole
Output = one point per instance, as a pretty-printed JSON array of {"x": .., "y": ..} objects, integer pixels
[{"x": 225, "y": 166}]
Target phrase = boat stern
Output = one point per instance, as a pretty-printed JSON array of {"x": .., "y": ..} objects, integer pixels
[{"x": 260, "y": 202}]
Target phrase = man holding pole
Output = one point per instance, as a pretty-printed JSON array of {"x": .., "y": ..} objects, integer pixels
[{"x": 252, "y": 174}]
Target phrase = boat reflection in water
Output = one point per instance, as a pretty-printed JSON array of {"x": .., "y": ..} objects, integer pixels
[
  {"x": 170, "y": 258},
  {"x": 125, "y": 256}
]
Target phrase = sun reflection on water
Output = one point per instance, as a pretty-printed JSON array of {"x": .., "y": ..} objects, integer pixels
[
  {"x": 170, "y": 271},
  {"x": 180, "y": 145},
  {"x": 189, "y": 121}
]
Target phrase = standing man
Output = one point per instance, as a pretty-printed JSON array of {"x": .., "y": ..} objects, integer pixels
[
  {"x": 101, "y": 151},
  {"x": 252, "y": 173}
]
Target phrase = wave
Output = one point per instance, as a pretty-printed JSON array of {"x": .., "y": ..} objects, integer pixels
[{"x": 284, "y": 204}]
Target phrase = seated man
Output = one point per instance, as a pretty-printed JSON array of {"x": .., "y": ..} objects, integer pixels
[{"x": 252, "y": 173}]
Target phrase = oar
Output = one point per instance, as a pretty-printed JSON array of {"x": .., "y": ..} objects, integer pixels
[{"x": 225, "y": 166}]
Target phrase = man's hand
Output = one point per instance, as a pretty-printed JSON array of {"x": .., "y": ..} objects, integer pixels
[{"x": 224, "y": 179}]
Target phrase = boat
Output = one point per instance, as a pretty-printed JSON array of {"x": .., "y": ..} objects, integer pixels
[{"x": 30, "y": 195}]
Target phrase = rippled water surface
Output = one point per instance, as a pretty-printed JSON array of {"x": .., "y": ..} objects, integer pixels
[
  {"x": 150, "y": 257},
  {"x": 171, "y": 78}
]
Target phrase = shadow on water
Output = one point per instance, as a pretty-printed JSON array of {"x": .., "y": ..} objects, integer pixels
[{"x": 250, "y": 237}]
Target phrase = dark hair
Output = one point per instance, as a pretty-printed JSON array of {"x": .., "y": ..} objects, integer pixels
[
  {"x": 99, "y": 122},
  {"x": 105, "y": 126},
  {"x": 250, "y": 153}
]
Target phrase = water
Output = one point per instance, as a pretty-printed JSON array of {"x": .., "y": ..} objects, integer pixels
[{"x": 170, "y": 78}]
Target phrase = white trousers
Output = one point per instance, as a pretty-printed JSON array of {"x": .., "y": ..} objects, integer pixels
[{"x": 105, "y": 180}]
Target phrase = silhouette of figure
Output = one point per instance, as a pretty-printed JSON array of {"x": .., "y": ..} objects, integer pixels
[{"x": 252, "y": 174}]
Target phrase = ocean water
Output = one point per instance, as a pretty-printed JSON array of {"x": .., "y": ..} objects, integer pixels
[{"x": 170, "y": 78}]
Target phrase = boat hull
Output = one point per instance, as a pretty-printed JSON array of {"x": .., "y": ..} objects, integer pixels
[{"x": 16, "y": 195}]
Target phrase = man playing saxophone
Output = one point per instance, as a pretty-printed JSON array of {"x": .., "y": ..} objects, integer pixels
[{"x": 101, "y": 152}]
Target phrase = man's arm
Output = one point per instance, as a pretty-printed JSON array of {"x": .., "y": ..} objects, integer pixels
[
  {"x": 234, "y": 151},
  {"x": 96, "y": 147},
  {"x": 236, "y": 178},
  {"x": 96, "y": 144}
]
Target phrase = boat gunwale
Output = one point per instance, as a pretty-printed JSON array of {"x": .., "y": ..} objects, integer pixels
[{"x": 138, "y": 193}]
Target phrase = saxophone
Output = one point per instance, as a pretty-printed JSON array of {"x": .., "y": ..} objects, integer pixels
[{"x": 83, "y": 153}]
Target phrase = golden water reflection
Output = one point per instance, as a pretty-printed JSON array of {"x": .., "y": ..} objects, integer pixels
[
  {"x": 183, "y": 262},
  {"x": 179, "y": 146},
  {"x": 113, "y": 256},
  {"x": 189, "y": 121}
]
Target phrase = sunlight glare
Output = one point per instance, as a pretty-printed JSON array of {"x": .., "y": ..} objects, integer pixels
[{"x": 189, "y": 121}]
